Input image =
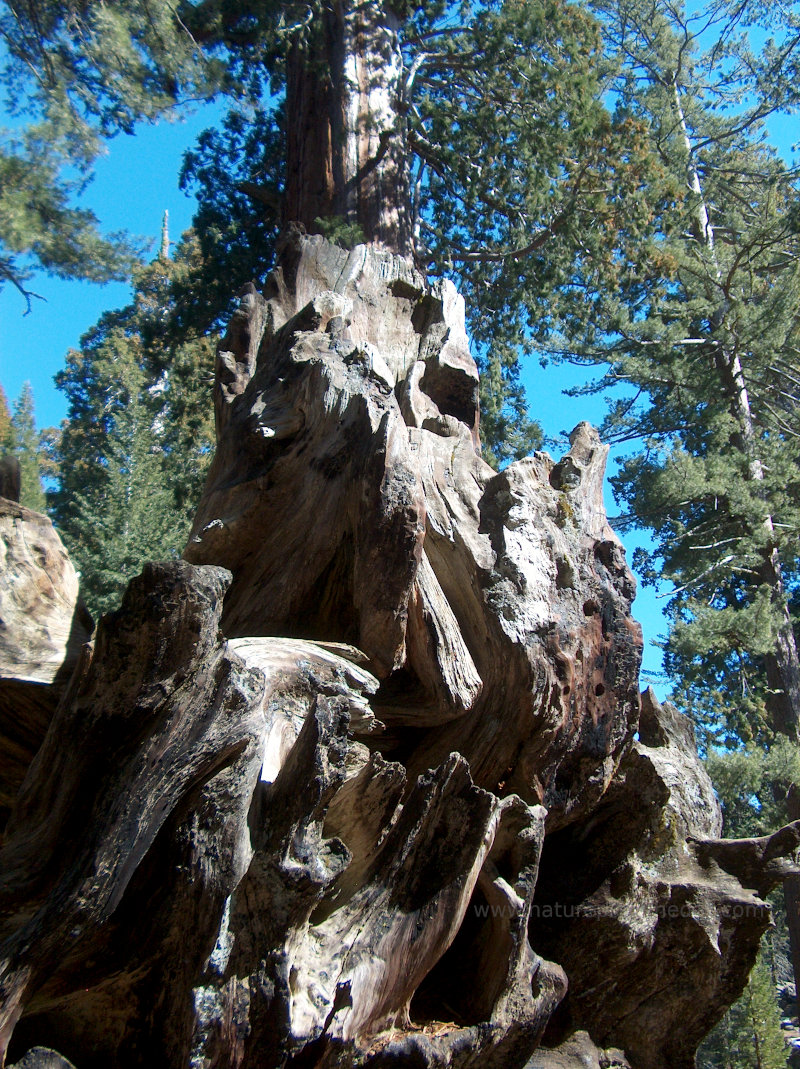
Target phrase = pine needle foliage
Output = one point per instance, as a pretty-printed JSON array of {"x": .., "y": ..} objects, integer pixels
[
  {"x": 749, "y": 1035},
  {"x": 133, "y": 451},
  {"x": 698, "y": 347},
  {"x": 20, "y": 438},
  {"x": 72, "y": 75}
]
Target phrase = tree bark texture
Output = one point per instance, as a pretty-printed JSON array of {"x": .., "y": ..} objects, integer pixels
[{"x": 346, "y": 152}]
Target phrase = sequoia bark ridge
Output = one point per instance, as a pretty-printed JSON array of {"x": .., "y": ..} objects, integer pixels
[
  {"x": 346, "y": 150},
  {"x": 357, "y": 782}
]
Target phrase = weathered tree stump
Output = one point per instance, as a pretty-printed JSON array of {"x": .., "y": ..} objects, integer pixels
[{"x": 358, "y": 783}]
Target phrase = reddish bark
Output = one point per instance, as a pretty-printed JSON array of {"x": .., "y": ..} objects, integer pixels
[{"x": 346, "y": 153}]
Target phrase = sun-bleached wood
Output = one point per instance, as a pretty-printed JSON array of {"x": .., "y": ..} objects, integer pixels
[{"x": 358, "y": 783}]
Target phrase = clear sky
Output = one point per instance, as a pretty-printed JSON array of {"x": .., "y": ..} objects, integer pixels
[{"x": 134, "y": 184}]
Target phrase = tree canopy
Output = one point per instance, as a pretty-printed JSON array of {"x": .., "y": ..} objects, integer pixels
[
  {"x": 701, "y": 333},
  {"x": 74, "y": 74}
]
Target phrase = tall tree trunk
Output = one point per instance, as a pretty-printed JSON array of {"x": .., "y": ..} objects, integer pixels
[{"x": 346, "y": 151}]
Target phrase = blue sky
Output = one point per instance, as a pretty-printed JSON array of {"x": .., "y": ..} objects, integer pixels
[{"x": 133, "y": 185}]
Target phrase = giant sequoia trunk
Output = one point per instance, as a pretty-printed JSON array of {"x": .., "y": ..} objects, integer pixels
[
  {"x": 366, "y": 779},
  {"x": 346, "y": 152}
]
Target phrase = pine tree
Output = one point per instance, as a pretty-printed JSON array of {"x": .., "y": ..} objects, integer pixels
[
  {"x": 749, "y": 1035},
  {"x": 40, "y": 228},
  {"x": 5, "y": 423},
  {"x": 122, "y": 516},
  {"x": 133, "y": 451},
  {"x": 73, "y": 74},
  {"x": 702, "y": 330},
  {"x": 19, "y": 438}
]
